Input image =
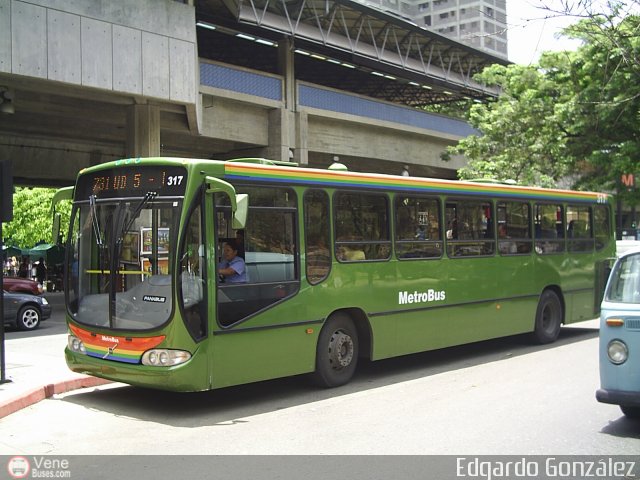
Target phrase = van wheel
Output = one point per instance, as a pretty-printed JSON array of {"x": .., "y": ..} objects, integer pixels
[
  {"x": 337, "y": 352},
  {"x": 548, "y": 318},
  {"x": 631, "y": 412},
  {"x": 28, "y": 318}
]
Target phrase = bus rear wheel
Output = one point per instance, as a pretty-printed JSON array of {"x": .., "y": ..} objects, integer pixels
[
  {"x": 548, "y": 318},
  {"x": 337, "y": 352}
]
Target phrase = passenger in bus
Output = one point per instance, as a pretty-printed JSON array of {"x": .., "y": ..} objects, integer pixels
[
  {"x": 232, "y": 268},
  {"x": 318, "y": 258},
  {"x": 505, "y": 245},
  {"x": 452, "y": 231},
  {"x": 347, "y": 254}
]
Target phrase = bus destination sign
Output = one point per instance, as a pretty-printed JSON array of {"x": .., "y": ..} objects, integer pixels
[{"x": 132, "y": 181}]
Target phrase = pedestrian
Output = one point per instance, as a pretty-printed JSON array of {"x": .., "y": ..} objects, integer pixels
[
  {"x": 41, "y": 271},
  {"x": 23, "y": 270}
]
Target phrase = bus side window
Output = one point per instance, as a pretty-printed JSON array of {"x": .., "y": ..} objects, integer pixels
[
  {"x": 469, "y": 228},
  {"x": 417, "y": 227},
  {"x": 192, "y": 280},
  {"x": 514, "y": 228},
  {"x": 361, "y": 223},
  {"x": 601, "y": 226},
  {"x": 549, "y": 228},
  {"x": 270, "y": 252},
  {"x": 579, "y": 229},
  {"x": 317, "y": 235}
]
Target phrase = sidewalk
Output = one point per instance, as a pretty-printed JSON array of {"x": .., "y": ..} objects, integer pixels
[{"x": 37, "y": 370}]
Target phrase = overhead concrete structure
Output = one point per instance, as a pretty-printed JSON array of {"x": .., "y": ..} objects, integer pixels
[{"x": 88, "y": 81}]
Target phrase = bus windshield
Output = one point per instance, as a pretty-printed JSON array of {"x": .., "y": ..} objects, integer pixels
[{"x": 119, "y": 262}]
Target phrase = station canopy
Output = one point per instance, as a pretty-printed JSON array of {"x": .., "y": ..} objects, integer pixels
[{"x": 345, "y": 45}]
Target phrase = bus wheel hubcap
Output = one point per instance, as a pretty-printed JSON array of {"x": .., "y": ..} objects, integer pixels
[{"x": 340, "y": 350}]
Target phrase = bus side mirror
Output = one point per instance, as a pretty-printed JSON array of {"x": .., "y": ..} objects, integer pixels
[
  {"x": 239, "y": 201},
  {"x": 240, "y": 214},
  {"x": 65, "y": 193}
]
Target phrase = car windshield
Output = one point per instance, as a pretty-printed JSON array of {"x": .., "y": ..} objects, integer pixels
[
  {"x": 624, "y": 285},
  {"x": 120, "y": 256}
]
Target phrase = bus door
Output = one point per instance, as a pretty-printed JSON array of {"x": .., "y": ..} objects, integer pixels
[{"x": 257, "y": 270}]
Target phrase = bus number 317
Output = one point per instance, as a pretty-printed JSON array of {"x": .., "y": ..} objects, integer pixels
[{"x": 174, "y": 180}]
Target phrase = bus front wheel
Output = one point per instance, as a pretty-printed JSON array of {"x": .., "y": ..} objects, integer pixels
[
  {"x": 337, "y": 352},
  {"x": 548, "y": 318}
]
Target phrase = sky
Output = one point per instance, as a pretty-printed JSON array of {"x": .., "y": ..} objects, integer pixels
[{"x": 530, "y": 33}]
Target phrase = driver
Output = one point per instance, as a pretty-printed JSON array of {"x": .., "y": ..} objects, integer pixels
[{"x": 232, "y": 268}]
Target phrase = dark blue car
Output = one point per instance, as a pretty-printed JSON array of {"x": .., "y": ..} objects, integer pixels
[{"x": 25, "y": 311}]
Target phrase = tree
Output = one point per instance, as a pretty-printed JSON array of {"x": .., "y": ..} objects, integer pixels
[
  {"x": 32, "y": 219},
  {"x": 606, "y": 106},
  {"x": 520, "y": 137},
  {"x": 575, "y": 115}
]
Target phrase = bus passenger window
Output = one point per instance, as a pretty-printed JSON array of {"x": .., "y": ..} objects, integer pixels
[
  {"x": 579, "y": 232},
  {"x": 549, "y": 228},
  {"x": 469, "y": 228},
  {"x": 417, "y": 222},
  {"x": 362, "y": 227},
  {"x": 601, "y": 226},
  {"x": 317, "y": 235},
  {"x": 514, "y": 228}
]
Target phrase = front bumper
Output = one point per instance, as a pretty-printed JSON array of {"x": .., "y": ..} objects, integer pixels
[
  {"x": 618, "y": 397},
  {"x": 189, "y": 377}
]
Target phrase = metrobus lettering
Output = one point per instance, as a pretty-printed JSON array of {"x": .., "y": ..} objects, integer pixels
[
  {"x": 109, "y": 339},
  {"x": 430, "y": 295}
]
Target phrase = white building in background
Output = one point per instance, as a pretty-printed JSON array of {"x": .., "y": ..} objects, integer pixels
[{"x": 478, "y": 23}]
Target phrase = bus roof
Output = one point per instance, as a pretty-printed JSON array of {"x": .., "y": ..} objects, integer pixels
[
  {"x": 345, "y": 179},
  {"x": 288, "y": 173}
]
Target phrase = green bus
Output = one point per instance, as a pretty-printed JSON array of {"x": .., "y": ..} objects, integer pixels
[{"x": 337, "y": 266}]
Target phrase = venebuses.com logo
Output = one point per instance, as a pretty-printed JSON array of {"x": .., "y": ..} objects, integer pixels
[
  {"x": 18, "y": 467},
  {"x": 38, "y": 467}
]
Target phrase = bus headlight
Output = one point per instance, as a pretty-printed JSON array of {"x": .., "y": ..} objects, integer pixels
[
  {"x": 76, "y": 345},
  {"x": 617, "y": 351},
  {"x": 161, "y": 357}
]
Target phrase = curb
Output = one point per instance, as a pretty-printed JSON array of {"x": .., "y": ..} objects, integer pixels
[{"x": 47, "y": 391}]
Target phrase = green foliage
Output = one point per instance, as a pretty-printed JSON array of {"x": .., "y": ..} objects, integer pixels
[
  {"x": 32, "y": 219},
  {"x": 575, "y": 115},
  {"x": 459, "y": 109},
  {"x": 521, "y": 139},
  {"x": 607, "y": 101}
]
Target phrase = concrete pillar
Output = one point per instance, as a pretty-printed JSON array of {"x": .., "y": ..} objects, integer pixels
[
  {"x": 287, "y": 127},
  {"x": 280, "y": 138},
  {"x": 301, "y": 152},
  {"x": 286, "y": 68},
  {"x": 143, "y": 131}
]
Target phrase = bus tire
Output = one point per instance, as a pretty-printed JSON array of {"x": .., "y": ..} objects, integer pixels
[
  {"x": 548, "y": 318},
  {"x": 336, "y": 352}
]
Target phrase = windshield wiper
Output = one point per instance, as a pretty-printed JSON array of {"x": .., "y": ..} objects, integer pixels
[
  {"x": 132, "y": 217},
  {"x": 94, "y": 221},
  {"x": 97, "y": 232}
]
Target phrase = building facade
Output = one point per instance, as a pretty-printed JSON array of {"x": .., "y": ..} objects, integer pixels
[{"x": 478, "y": 23}]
